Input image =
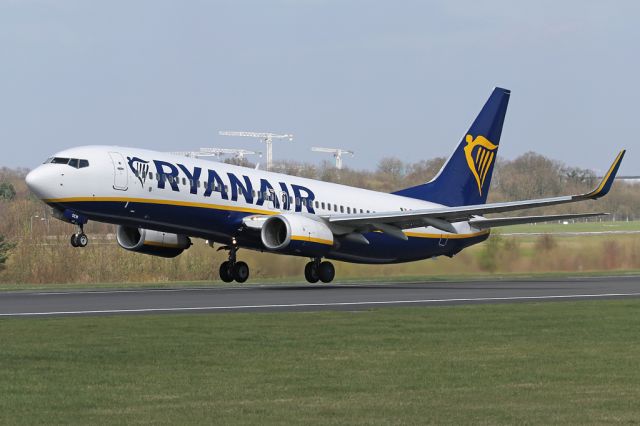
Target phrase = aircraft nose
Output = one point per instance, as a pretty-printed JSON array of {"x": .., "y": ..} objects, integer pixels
[{"x": 39, "y": 181}]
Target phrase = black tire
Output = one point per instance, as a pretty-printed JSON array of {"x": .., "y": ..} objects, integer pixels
[
  {"x": 82, "y": 240},
  {"x": 225, "y": 273},
  {"x": 326, "y": 272},
  {"x": 241, "y": 272},
  {"x": 311, "y": 273},
  {"x": 74, "y": 240}
]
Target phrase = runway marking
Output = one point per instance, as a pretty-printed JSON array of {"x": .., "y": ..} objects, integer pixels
[{"x": 319, "y": 305}]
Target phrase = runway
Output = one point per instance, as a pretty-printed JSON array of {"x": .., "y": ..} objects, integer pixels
[{"x": 270, "y": 298}]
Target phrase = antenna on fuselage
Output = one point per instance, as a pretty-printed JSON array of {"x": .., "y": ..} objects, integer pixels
[
  {"x": 337, "y": 153},
  {"x": 265, "y": 137}
]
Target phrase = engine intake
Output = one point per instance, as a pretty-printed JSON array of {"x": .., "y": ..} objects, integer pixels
[
  {"x": 155, "y": 243},
  {"x": 301, "y": 234}
]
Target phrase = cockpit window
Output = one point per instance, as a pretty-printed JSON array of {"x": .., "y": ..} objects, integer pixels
[
  {"x": 59, "y": 160},
  {"x": 73, "y": 162}
]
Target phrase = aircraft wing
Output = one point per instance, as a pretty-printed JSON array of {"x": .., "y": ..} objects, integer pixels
[
  {"x": 441, "y": 218},
  {"x": 482, "y": 223}
]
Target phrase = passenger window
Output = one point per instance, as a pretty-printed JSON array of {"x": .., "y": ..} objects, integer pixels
[
  {"x": 349, "y": 210},
  {"x": 184, "y": 181},
  {"x": 317, "y": 204},
  {"x": 150, "y": 175},
  {"x": 322, "y": 204},
  {"x": 335, "y": 207},
  {"x": 341, "y": 209}
]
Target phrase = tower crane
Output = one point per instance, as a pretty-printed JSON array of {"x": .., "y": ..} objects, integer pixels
[
  {"x": 218, "y": 152},
  {"x": 265, "y": 137},
  {"x": 337, "y": 153}
]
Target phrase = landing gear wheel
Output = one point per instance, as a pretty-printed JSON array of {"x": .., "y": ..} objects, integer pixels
[
  {"x": 326, "y": 272},
  {"x": 240, "y": 272},
  {"x": 311, "y": 272},
  {"x": 225, "y": 272},
  {"x": 82, "y": 240},
  {"x": 74, "y": 240}
]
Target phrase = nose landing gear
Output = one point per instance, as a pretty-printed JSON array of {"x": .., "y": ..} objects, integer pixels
[
  {"x": 231, "y": 270},
  {"x": 79, "y": 239},
  {"x": 316, "y": 270}
]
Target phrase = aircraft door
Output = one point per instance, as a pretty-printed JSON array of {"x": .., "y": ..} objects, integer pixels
[{"x": 120, "y": 175}]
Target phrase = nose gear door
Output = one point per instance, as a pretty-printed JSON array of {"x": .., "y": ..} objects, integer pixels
[{"x": 120, "y": 175}]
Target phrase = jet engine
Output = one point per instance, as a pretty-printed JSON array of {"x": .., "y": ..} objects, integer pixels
[
  {"x": 155, "y": 243},
  {"x": 297, "y": 233}
]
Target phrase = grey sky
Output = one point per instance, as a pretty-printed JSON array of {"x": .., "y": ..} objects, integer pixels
[{"x": 402, "y": 78}]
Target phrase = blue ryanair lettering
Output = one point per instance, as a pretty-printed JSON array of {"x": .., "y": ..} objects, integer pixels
[
  {"x": 286, "y": 197},
  {"x": 266, "y": 188},
  {"x": 171, "y": 175},
  {"x": 193, "y": 177},
  {"x": 306, "y": 201},
  {"x": 215, "y": 183},
  {"x": 237, "y": 186}
]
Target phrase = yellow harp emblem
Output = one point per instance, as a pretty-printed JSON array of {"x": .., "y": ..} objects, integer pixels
[{"x": 480, "y": 153}]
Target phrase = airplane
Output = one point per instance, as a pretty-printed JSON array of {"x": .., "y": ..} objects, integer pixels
[{"x": 159, "y": 201}]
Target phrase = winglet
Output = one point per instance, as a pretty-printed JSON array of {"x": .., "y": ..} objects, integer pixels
[{"x": 607, "y": 181}]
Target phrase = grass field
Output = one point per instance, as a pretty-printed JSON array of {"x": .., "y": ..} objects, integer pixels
[
  {"x": 493, "y": 364},
  {"x": 573, "y": 227}
]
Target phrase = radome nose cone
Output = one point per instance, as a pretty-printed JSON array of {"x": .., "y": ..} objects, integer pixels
[{"x": 36, "y": 181}]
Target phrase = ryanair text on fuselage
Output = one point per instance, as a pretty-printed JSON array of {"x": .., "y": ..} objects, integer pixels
[{"x": 167, "y": 172}]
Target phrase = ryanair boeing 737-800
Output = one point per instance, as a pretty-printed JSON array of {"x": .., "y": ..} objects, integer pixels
[{"x": 159, "y": 201}]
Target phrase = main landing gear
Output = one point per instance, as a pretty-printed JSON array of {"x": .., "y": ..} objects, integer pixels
[
  {"x": 316, "y": 271},
  {"x": 79, "y": 239},
  {"x": 231, "y": 269}
]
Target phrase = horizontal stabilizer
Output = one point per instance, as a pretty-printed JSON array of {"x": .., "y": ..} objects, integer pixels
[{"x": 507, "y": 221}]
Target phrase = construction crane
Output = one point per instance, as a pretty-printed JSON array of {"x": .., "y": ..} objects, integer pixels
[
  {"x": 218, "y": 152},
  {"x": 337, "y": 153},
  {"x": 266, "y": 137}
]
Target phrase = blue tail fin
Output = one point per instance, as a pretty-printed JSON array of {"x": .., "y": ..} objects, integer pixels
[{"x": 466, "y": 176}]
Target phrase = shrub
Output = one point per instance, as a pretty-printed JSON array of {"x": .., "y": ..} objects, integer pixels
[{"x": 7, "y": 191}]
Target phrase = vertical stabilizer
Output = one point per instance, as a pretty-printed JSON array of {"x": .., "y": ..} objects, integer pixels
[{"x": 466, "y": 176}]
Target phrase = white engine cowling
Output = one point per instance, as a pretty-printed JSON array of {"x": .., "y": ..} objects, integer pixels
[
  {"x": 299, "y": 233},
  {"x": 155, "y": 243}
]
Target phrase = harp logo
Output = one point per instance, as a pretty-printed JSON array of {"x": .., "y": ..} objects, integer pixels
[
  {"x": 139, "y": 167},
  {"x": 480, "y": 153}
]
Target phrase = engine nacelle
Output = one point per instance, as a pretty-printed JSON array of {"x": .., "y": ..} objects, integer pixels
[
  {"x": 155, "y": 243},
  {"x": 296, "y": 233}
]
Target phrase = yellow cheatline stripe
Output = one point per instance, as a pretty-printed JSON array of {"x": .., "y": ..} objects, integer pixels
[
  {"x": 446, "y": 236},
  {"x": 311, "y": 239},
  {"x": 156, "y": 244},
  {"x": 606, "y": 178},
  {"x": 163, "y": 202}
]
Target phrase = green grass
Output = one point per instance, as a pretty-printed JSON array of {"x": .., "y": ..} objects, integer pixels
[
  {"x": 470, "y": 277},
  {"x": 573, "y": 227},
  {"x": 493, "y": 364}
]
